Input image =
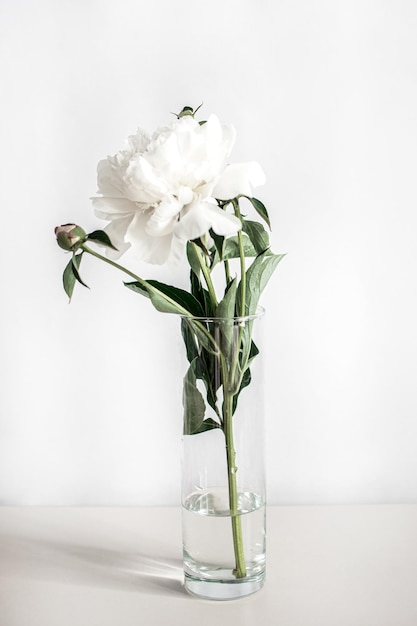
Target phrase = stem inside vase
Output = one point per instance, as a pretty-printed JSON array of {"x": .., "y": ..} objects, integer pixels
[{"x": 240, "y": 569}]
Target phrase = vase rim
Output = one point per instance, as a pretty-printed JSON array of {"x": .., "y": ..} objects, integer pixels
[{"x": 260, "y": 312}]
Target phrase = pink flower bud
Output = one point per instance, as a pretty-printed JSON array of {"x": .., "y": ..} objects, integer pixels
[{"x": 70, "y": 236}]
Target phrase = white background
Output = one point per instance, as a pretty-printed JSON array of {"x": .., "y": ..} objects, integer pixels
[{"x": 324, "y": 95}]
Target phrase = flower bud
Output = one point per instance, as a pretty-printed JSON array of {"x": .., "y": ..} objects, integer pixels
[
  {"x": 186, "y": 111},
  {"x": 70, "y": 236}
]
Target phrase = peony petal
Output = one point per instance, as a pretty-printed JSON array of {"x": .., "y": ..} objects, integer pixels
[
  {"x": 197, "y": 220},
  {"x": 239, "y": 178},
  {"x": 143, "y": 182},
  {"x": 220, "y": 138},
  {"x": 163, "y": 218},
  {"x": 147, "y": 248},
  {"x": 223, "y": 223},
  {"x": 113, "y": 208},
  {"x": 109, "y": 179},
  {"x": 116, "y": 230}
]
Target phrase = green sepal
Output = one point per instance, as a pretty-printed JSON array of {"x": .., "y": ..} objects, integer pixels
[{"x": 102, "y": 238}]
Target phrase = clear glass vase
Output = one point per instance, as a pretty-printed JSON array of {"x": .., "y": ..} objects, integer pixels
[{"x": 223, "y": 476}]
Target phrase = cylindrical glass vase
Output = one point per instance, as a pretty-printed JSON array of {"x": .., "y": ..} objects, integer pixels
[{"x": 223, "y": 475}]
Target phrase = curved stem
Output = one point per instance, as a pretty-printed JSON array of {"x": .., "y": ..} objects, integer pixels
[
  {"x": 140, "y": 280},
  {"x": 149, "y": 288}
]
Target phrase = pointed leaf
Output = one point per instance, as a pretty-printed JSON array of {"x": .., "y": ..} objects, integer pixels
[
  {"x": 260, "y": 209},
  {"x": 194, "y": 405},
  {"x": 201, "y": 294},
  {"x": 76, "y": 260},
  {"x": 218, "y": 242},
  {"x": 257, "y": 278},
  {"x": 189, "y": 341},
  {"x": 71, "y": 275},
  {"x": 176, "y": 301},
  {"x": 200, "y": 243},
  {"x": 226, "y": 308},
  {"x": 102, "y": 238},
  {"x": 193, "y": 402},
  {"x": 231, "y": 248},
  {"x": 257, "y": 234},
  {"x": 246, "y": 380},
  {"x": 68, "y": 279},
  {"x": 192, "y": 257}
]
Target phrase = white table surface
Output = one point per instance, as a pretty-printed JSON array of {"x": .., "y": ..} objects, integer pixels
[{"x": 327, "y": 566}]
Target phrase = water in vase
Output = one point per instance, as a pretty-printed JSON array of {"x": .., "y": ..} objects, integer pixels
[{"x": 208, "y": 540}]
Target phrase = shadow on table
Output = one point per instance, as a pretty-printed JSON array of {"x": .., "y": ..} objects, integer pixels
[{"x": 91, "y": 566}]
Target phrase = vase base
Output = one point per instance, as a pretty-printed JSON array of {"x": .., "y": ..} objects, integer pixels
[{"x": 223, "y": 590}]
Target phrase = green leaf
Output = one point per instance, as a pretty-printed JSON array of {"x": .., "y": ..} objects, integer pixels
[
  {"x": 260, "y": 209},
  {"x": 201, "y": 294},
  {"x": 204, "y": 336},
  {"x": 254, "y": 351},
  {"x": 76, "y": 260},
  {"x": 189, "y": 340},
  {"x": 201, "y": 350},
  {"x": 68, "y": 279},
  {"x": 102, "y": 238},
  {"x": 178, "y": 299},
  {"x": 193, "y": 402},
  {"x": 194, "y": 405},
  {"x": 257, "y": 277},
  {"x": 71, "y": 275},
  {"x": 231, "y": 248},
  {"x": 226, "y": 307},
  {"x": 218, "y": 242},
  {"x": 192, "y": 256},
  {"x": 257, "y": 234},
  {"x": 226, "y": 310},
  {"x": 246, "y": 380},
  {"x": 200, "y": 243}
]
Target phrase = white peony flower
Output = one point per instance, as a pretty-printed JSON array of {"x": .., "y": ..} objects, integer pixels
[{"x": 160, "y": 191}]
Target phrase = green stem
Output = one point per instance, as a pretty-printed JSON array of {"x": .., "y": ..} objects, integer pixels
[
  {"x": 149, "y": 288},
  {"x": 240, "y": 569},
  {"x": 229, "y": 391},
  {"x": 140, "y": 280},
  {"x": 242, "y": 311},
  {"x": 228, "y": 386},
  {"x": 227, "y": 271}
]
